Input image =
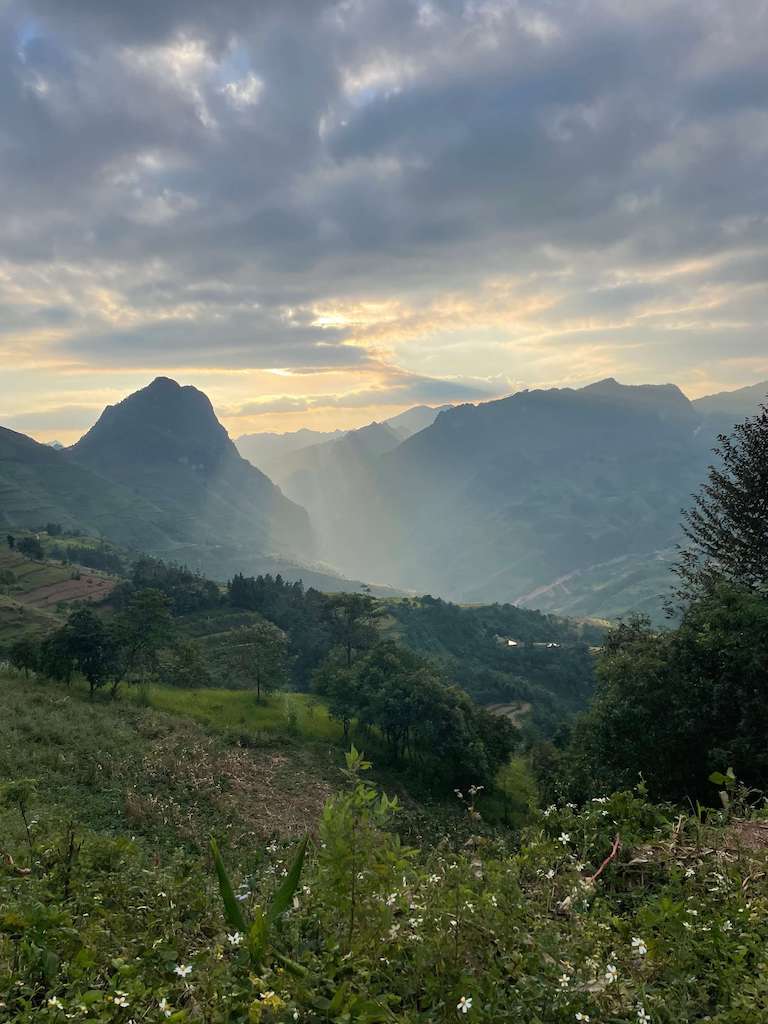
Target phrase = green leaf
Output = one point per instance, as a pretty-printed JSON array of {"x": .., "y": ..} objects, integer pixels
[
  {"x": 232, "y": 911},
  {"x": 282, "y": 898},
  {"x": 257, "y": 937},
  {"x": 298, "y": 970},
  {"x": 718, "y": 778},
  {"x": 336, "y": 1004}
]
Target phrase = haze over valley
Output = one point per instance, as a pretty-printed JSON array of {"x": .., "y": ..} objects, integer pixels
[{"x": 566, "y": 500}]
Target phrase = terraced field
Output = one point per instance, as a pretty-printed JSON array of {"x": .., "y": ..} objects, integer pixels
[{"x": 46, "y": 584}]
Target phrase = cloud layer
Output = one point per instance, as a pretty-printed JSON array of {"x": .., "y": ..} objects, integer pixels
[{"x": 342, "y": 205}]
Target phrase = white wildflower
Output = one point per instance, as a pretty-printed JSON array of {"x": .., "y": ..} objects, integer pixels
[
  {"x": 611, "y": 974},
  {"x": 464, "y": 1005},
  {"x": 182, "y": 970},
  {"x": 639, "y": 946}
]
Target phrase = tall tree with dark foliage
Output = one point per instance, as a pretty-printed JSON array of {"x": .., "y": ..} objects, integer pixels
[{"x": 727, "y": 526}]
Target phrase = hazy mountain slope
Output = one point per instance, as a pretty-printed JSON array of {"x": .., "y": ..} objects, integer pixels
[
  {"x": 410, "y": 422},
  {"x": 297, "y": 472},
  {"x": 739, "y": 404},
  {"x": 494, "y": 501},
  {"x": 261, "y": 449},
  {"x": 39, "y": 484},
  {"x": 268, "y": 450},
  {"x": 165, "y": 443},
  {"x": 336, "y": 482}
]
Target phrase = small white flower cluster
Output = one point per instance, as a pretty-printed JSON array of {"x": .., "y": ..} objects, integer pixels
[
  {"x": 639, "y": 946},
  {"x": 183, "y": 970},
  {"x": 464, "y": 1005}
]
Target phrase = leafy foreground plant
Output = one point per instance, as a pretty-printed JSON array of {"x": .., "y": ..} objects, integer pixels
[
  {"x": 258, "y": 931},
  {"x": 668, "y": 924}
]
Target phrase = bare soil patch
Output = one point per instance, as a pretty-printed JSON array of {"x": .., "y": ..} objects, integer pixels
[{"x": 89, "y": 587}]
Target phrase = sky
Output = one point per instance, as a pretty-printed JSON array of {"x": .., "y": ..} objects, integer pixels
[{"x": 322, "y": 212}]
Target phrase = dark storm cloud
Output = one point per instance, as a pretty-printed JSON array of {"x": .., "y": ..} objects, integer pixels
[{"x": 201, "y": 161}]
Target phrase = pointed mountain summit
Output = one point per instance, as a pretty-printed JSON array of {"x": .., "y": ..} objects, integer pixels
[{"x": 166, "y": 444}]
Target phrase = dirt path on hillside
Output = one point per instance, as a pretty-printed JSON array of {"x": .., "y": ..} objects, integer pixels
[{"x": 514, "y": 712}]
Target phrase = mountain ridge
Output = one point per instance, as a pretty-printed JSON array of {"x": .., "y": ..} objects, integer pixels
[{"x": 165, "y": 443}]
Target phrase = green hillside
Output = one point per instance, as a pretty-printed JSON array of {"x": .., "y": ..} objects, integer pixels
[
  {"x": 110, "y": 909},
  {"x": 39, "y": 484}
]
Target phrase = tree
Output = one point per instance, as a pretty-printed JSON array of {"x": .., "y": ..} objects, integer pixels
[
  {"x": 419, "y": 716},
  {"x": 31, "y": 547},
  {"x": 92, "y": 647},
  {"x": 727, "y": 527},
  {"x": 10, "y": 541},
  {"x": 183, "y": 665},
  {"x": 352, "y": 620},
  {"x": 517, "y": 785},
  {"x": 676, "y": 706},
  {"x": 257, "y": 657},
  {"x": 141, "y": 631},
  {"x": 336, "y": 683},
  {"x": 24, "y": 655}
]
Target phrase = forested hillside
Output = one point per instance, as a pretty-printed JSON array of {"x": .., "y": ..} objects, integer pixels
[{"x": 568, "y": 499}]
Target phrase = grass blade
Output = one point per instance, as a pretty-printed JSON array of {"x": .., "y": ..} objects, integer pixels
[
  {"x": 282, "y": 898},
  {"x": 232, "y": 911}
]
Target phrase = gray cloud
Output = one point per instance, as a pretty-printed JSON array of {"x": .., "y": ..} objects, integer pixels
[
  {"x": 215, "y": 165},
  {"x": 409, "y": 389},
  {"x": 64, "y": 417}
]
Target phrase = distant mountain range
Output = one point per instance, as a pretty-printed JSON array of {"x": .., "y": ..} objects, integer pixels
[
  {"x": 564, "y": 499},
  {"x": 738, "y": 404},
  {"x": 267, "y": 450}
]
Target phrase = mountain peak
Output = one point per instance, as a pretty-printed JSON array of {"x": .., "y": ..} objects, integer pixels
[
  {"x": 163, "y": 383},
  {"x": 165, "y": 443}
]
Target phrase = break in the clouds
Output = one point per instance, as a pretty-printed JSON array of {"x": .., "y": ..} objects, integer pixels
[{"x": 315, "y": 207}]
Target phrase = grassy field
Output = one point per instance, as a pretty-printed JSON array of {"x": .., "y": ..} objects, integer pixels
[
  {"x": 235, "y": 711},
  {"x": 31, "y": 575},
  {"x": 121, "y": 767},
  {"x": 18, "y": 620}
]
